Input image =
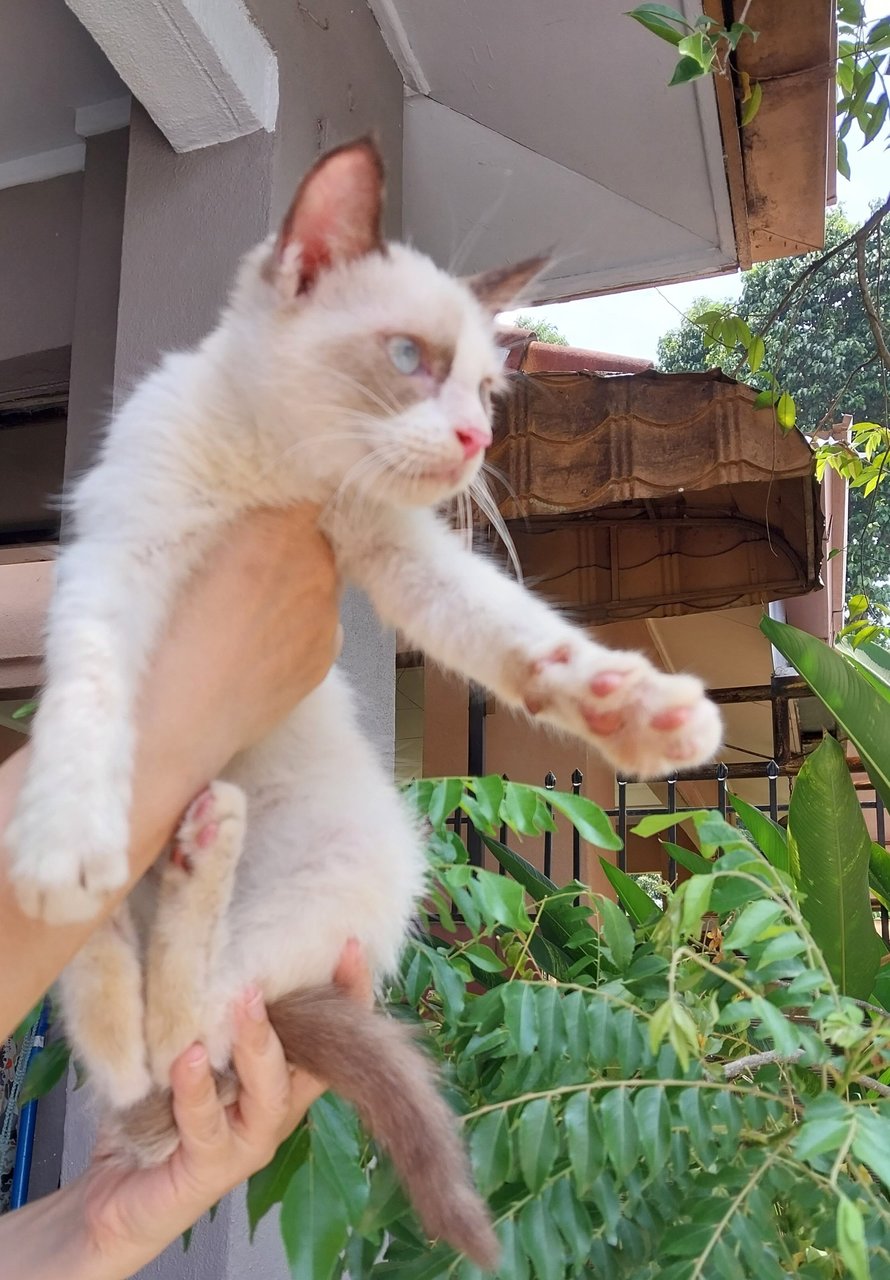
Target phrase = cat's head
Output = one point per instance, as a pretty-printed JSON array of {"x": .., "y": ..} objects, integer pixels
[{"x": 380, "y": 364}]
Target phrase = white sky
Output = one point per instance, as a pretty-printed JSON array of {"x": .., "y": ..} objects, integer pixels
[{"x": 631, "y": 323}]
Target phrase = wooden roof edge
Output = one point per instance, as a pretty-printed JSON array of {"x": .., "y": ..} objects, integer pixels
[{"x": 779, "y": 167}]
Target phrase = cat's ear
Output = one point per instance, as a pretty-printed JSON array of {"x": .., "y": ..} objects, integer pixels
[
  {"x": 335, "y": 216},
  {"x": 499, "y": 289}
]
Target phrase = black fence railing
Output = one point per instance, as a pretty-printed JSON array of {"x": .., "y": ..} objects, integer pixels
[{"x": 625, "y": 816}]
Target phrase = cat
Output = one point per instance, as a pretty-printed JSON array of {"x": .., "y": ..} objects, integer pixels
[{"x": 355, "y": 374}]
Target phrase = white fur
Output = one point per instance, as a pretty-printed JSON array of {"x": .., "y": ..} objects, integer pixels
[{"x": 259, "y": 415}]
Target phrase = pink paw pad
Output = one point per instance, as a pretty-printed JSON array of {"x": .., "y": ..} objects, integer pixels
[
  {"x": 607, "y": 682},
  {"x": 558, "y": 656},
  {"x": 602, "y": 723},
  {"x": 673, "y": 718}
]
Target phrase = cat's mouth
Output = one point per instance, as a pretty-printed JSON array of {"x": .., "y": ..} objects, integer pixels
[{"x": 449, "y": 475}]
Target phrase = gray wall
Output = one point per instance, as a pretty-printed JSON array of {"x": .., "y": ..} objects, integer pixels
[
  {"x": 39, "y": 231},
  {"x": 94, "y": 340},
  {"x": 187, "y": 220},
  {"x": 337, "y": 81}
]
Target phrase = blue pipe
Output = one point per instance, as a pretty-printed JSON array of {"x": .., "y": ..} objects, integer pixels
[{"x": 24, "y": 1143}]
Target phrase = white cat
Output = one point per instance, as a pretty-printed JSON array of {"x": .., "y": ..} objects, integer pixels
[{"x": 358, "y": 375}]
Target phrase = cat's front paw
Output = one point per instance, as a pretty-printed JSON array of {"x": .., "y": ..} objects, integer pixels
[
  {"x": 646, "y": 723},
  {"x": 66, "y": 859}
]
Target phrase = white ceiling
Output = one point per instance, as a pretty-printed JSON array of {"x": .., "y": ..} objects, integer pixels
[
  {"x": 49, "y": 68},
  {"x": 528, "y": 126},
  {"x": 532, "y": 125}
]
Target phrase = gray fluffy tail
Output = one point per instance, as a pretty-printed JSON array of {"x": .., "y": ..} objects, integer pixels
[{"x": 374, "y": 1063}]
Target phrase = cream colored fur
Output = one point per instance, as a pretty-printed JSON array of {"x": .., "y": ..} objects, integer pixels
[{"x": 292, "y": 397}]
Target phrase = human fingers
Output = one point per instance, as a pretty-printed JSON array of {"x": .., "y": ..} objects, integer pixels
[
  {"x": 200, "y": 1116},
  {"x": 272, "y": 1097}
]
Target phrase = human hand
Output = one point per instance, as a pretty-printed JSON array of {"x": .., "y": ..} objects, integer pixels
[{"x": 114, "y": 1219}]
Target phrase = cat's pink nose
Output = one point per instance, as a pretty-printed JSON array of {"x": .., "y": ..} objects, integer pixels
[{"x": 472, "y": 440}]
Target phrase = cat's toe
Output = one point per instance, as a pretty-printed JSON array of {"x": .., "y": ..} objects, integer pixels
[{"x": 212, "y": 826}]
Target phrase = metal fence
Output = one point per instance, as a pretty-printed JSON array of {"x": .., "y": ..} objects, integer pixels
[{"x": 625, "y": 817}]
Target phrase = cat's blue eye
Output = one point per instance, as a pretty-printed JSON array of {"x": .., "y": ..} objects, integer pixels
[{"x": 404, "y": 353}]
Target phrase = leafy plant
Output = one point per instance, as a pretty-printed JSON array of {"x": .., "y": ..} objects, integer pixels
[
  {"x": 634, "y": 1105},
  {"x": 704, "y": 46}
]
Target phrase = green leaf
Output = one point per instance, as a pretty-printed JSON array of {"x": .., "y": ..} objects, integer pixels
[
  {"x": 513, "y": 1263},
  {"x": 519, "y": 809},
  {"x": 657, "y": 822},
  {"x": 444, "y": 800},
  {"x": 770, "y": 838},
  {"x": 756, "y": 353},
  {"x": 752, "y": 106},
  {"x": 489, "y": 792},
  {"x": 336, "y": 1150},
  {"x": 753, "y": 922},
  {"x": 490, "y": 1151},
  {"x": 501, "y": 900},
  {"x": 766, "y": 399},
  {"x": 620, "y": 1135},
  {"x": 542, "y": 1244},
  {"x": 520, "y": 1017},
  {"x": 267, "y": 1187},
  {"x": 686, "y": 69},
  {"x": 871, "y": 1143},
  {"x": 879, "y": 871},
  {"x": 588, "y": 819},
  {"x": 635, "y": 900},
  {"x": 858, "y": 707},
  {"x": 535, "y": 883},
  {"x": 786, "y": 411},
  {"x": 658, "y": 18},
  {"x": 833, "y": 847},
  {"x": 482, "y": 957},
  {"x": 654, "y": 1127},
  {"x": 696, "y": 899},
  {"x": 851, "y": 1238},
  {"x": 583, "y": 1141},
  {"x": 46, "y": 1068},
  {"x": 697, "y": 46},
  {"x": 537, "y": 1142},
  {"x": 617, "y": 932},
  {"x": 314, "y": 1224},
  {"x": 572, "y": 1220},
  {"x": 693, "y": 862}
]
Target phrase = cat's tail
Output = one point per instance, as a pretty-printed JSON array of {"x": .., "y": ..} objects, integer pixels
[{"x": 374, "y": 1063}]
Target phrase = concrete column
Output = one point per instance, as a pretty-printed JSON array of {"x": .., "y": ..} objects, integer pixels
[{"x": 94, "y": 340}]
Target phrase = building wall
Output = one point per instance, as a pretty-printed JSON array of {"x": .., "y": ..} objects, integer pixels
[{"x": 39, "y": 233}]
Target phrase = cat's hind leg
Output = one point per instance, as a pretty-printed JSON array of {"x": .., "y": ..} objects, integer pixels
[
  {"x": 103, "y": 1008},
  {"x": 190, "y": 925}
]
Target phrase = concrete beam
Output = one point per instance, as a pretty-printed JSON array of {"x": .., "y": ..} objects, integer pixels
[{"x": 201, "y": 68}]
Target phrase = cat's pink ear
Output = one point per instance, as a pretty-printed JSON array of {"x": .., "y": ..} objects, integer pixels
[
  {"x": 499, "y": 289},
  {"x": 335, "y": 215}
]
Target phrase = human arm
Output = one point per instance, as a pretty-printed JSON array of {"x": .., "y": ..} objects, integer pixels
[
  {"x": 252, "y": 634},
  {"x": 112, "y": 1220}
]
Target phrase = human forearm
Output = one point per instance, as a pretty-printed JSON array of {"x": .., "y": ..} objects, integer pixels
[{"x": 251, "y": 636}]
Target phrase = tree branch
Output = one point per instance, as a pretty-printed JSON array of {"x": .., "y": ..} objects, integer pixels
[
  {"x": 871, "y": 311},
  {"x": 862, "y": 234},
  {"x": 754, "y": 1060}
]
